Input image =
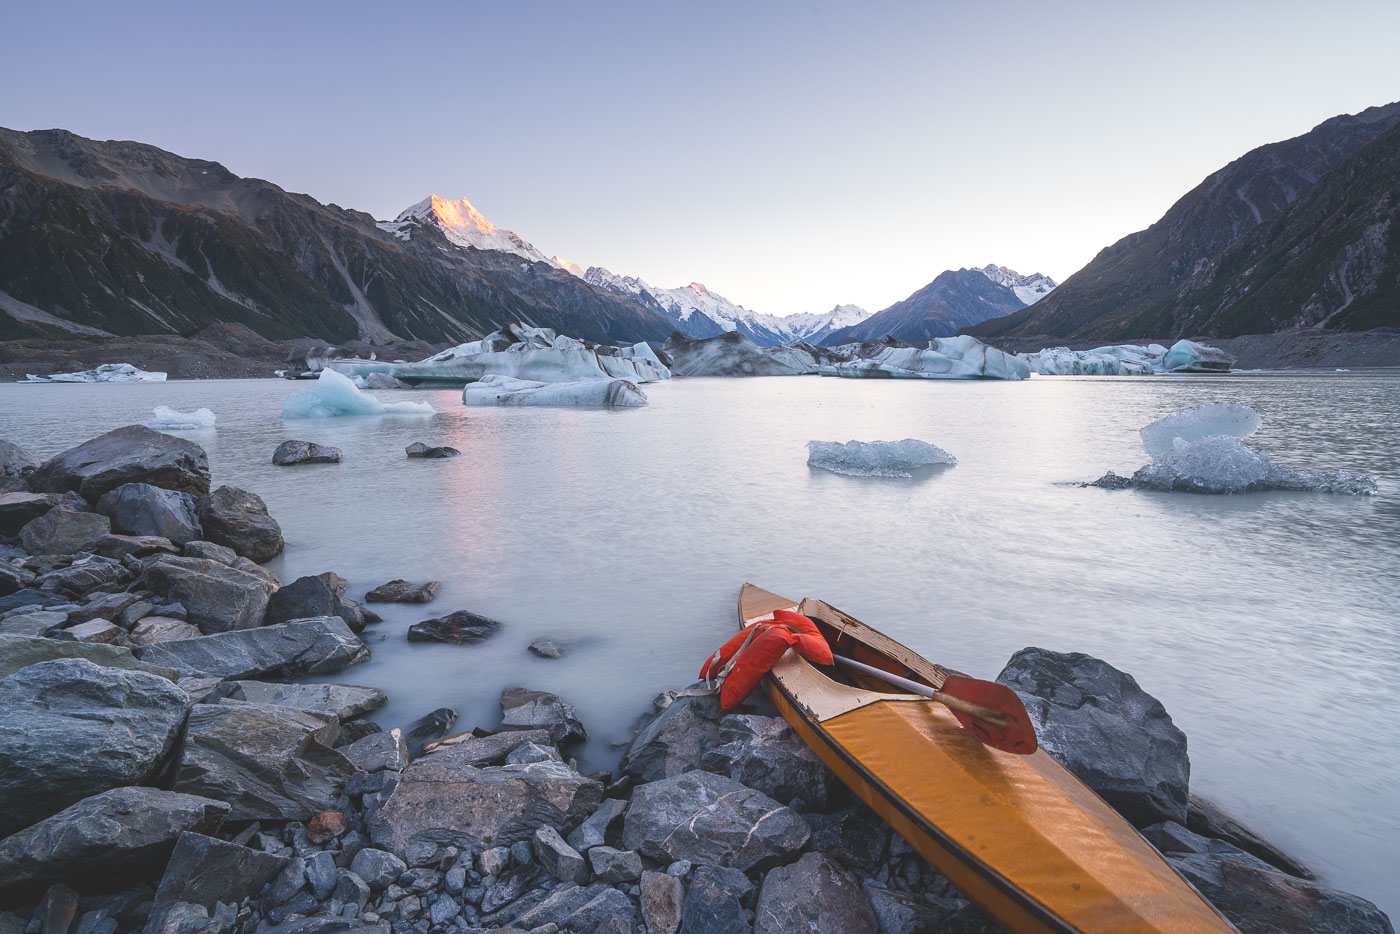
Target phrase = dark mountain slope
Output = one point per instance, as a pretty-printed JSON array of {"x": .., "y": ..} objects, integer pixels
[
  {"x": 1134, "y": 287},
  {"x": 955, "y": 299},
  {"x": 127, "y": 238}
]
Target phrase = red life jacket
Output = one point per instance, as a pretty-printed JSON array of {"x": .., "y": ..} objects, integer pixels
[{"x": 752, "y": 652}]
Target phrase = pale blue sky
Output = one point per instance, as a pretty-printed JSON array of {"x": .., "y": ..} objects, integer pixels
[{"x": 790, "y": 156}]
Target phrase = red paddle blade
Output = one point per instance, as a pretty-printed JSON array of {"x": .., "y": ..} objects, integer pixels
[{"x": 1015, "y": 735}]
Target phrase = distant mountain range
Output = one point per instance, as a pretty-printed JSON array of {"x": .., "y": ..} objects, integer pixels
[
  {"x": 1302, "y": 233},
  {"x": 954, "y": 300}
]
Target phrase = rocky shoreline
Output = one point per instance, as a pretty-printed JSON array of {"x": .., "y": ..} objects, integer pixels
[{"x": 161, "y": 770}]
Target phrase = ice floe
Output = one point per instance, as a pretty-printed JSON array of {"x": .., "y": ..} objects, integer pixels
[
  {"x": 522, "y": 352},
  {"x": 168, "y": 419},
  {"x": 106, "y": 373},
  {"x": 960, "y": 357},
  {"x": 1201, "y": 450},
  {"x": 507, "y": 390},
  {"x": 1217, "y": 418},
  {"x": 1191, "y": 357},
  {"x": 734, "y": 354},
  {"x": 1129, "y": 360},
  {"x": 335, "y": 394},
  {"x": 876, "y": 458}
]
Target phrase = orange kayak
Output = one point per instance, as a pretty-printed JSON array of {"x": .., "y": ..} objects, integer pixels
[{"x": 1020, "y": 836}]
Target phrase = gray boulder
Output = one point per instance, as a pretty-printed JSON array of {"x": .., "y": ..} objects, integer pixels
[
  {"x": 70, "y": 729},
  {"x": 32, "y": 622},
  {"x": 442, "y": 801},
  {"x": 579, "y": 908},
  {"x": 238, "y": 519},
  {"x": 764, "y": 753},
  {"x": 594, "y": 829},
  {"x": 377, "y": 868},
  {"x": 204, "y": 870},
  {"x": 675, "y": 740},
  {"x": 64, "y": 530},
  {"x": 15, "y": 461},
  {"x": 86, "y": 574},
  {"x": 209, "y": 552},
  {"x": 317, "y": 646},
  {"x": 460, "y": 628},
  {"x": 708, "y": 818},
  {"x": 714, "y": 902},
  {"x": 133, "y": 454},
  {"x": 106, "y": 837},
  {"x": 524, "y": 709},
  {"x": 137, "y": 546},
  {"x": 855, "y": 836},
  {"x": 401, "y": 591},
  {"x": 813, "y": 896},
  {"x": 19, "y": 508},
  {"x": 419, "y": 449},
  {"x": 309, "y": 596},
  {"x": 1206, "y": 819},
  {"x": 18, "y": 651},
  {"x": 142, "y": 509},
  {"x": 267, "y": 762},
  {"x": 615, "y": 866},
  {"x": 560, "y": 860},
  {"x": 96, "y": 630},
  {"x": 153, "y": 629},
  {"x": 342, "y": 701},
  {"x": 1256, "y": 897},
  {"x": 13, "y": 578},
  {"x": 216, "y": 597},
  {"x": 1114, "y": 736},
  {"x": 662, "y": 897},
  {"x": 479, "y": 751},
  {"x": 378, "y": 751},
  {"x": 290, "y": 453}
]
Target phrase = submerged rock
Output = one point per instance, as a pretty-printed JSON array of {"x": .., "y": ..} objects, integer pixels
[
  {"x": 290, "y": 453},
  {"x": 108, "y": 837},
  {"x": 547, "y": 648},
  {"x": 419, "y": 449},
  {"x": 401, "y": 591},
  {"x": 70, "y": 729},
  {"x": 460, "y": 628},
  {"x": 1114, "y": 736},
  {"x": 309, "y": 596},
  {"x": 320, "y": 645},
  {"x": 134, "y": 454},
  {"x": 238, "y": 519}
]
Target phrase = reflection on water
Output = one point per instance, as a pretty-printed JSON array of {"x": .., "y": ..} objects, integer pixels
[{"x": 1266, "y": 622}]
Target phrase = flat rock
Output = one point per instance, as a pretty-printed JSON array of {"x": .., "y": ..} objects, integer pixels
[
  {"x": 444, "y": 802},
  {"x": 95, "y": 630},
  {"x": 1114, "y": 736},
  {"x": 479, "y": 751},
  {"x": 133, "y": 454},
  {"x": 18, "y": 652},
  {"x": 30, "y": 598},
  {"x": 675, "y": 740},
  {"x": 401, "y": 591},
  {"x": 267, "y": 762},
  {"x": 317, "y": 646},
  {"x": 764, "y": 753},
  {"x": 203, "y": 870},
  {"x": 153, "y": 629},
  {"x": 812, "y": 896},
  {"x": 290, "y": 453},
  {"x": 524, "y": 709},
  {"x": 1256, "y": 897},
  {"x": 708, "y": 818},
  {"x": 32, "y": 622},
  {"x": 342, "y": 701},
  {"x": 662, "y": 897},
  {"x": 64, "y": 530},
  {"x": 137, "y": 546},
  {"x": 238, "y": 519},
  {"x": 216, "y": 597},
  {"x": 87, "y": 573},
  {"x": 142, "y": 509},
  {"x": 209, "y": 551},
  {"x": 70, "y": 729},
  {"x": 103, "y": 606},
  {"x": 106, "y": 837},
  {"x": 460, "y": 628}
]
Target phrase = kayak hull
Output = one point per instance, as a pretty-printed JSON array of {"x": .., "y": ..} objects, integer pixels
[{"x": 1019, "y": 836}]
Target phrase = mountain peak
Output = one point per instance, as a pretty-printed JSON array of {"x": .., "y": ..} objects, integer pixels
[
  {"x": 1029, "y": 289},
  {"x": 568, "y": 265},
  {"x": 464, "y": 225}
]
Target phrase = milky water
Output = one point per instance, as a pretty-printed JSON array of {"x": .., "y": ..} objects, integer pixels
[{"x": 1267, "y": 623}]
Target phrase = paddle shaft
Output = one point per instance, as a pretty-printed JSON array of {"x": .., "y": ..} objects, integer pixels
[{"x": 956, "y": 703}]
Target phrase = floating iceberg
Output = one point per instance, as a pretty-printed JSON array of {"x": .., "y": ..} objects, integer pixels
[
  {"x": 733, "y": 354},
  {"x": 1116, "y": 360},
  {"x": 335, "y": 394},
  {"x": 522, "y": 352},
  {"x": 961, "y": 357},
  {"x": 875, "y": 458},
  {"x": 1219, "y": 418},
  {"x": 1202, "y": 450},
  {"x": 106, "y": 373},
  {"x": 168, "y": 419},
  {"x": 507, "y": 390},
  {"x": 1224, "y": 464},
  {"x": 1191, "y": 357}
]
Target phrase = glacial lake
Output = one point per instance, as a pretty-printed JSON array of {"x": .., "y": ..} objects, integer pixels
[{"x": 1267, "y": 623}]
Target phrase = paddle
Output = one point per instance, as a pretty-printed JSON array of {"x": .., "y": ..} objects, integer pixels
[{"x": 992, "y": 712}]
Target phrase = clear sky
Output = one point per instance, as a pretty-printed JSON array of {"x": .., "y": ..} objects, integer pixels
[{"x": 789, "y": 155}]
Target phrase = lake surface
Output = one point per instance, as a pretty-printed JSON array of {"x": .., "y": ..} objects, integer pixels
[{"x": 1266, "y": 623}]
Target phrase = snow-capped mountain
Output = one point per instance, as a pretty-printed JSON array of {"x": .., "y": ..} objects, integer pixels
[
  {"x": 464, "y": 225},
  {"x": 1029, "y": 289},
  {"x": 567, "y": 265},
  {"x": 700, "y": 312}
]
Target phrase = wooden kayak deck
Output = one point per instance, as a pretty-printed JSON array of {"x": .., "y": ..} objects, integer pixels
[{"x": 1018, "y": 835}]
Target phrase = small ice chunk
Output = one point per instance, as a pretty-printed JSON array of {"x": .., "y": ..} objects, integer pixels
[
  {"x": 1223, "y": 464},
  {"x": 334, "y": 394},
  {"x": 1219, "y": 418},
  {"x": 168, "y": 419},
  {"x": 507, "y": 390},
  {"x": 875, "y": 458}
]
